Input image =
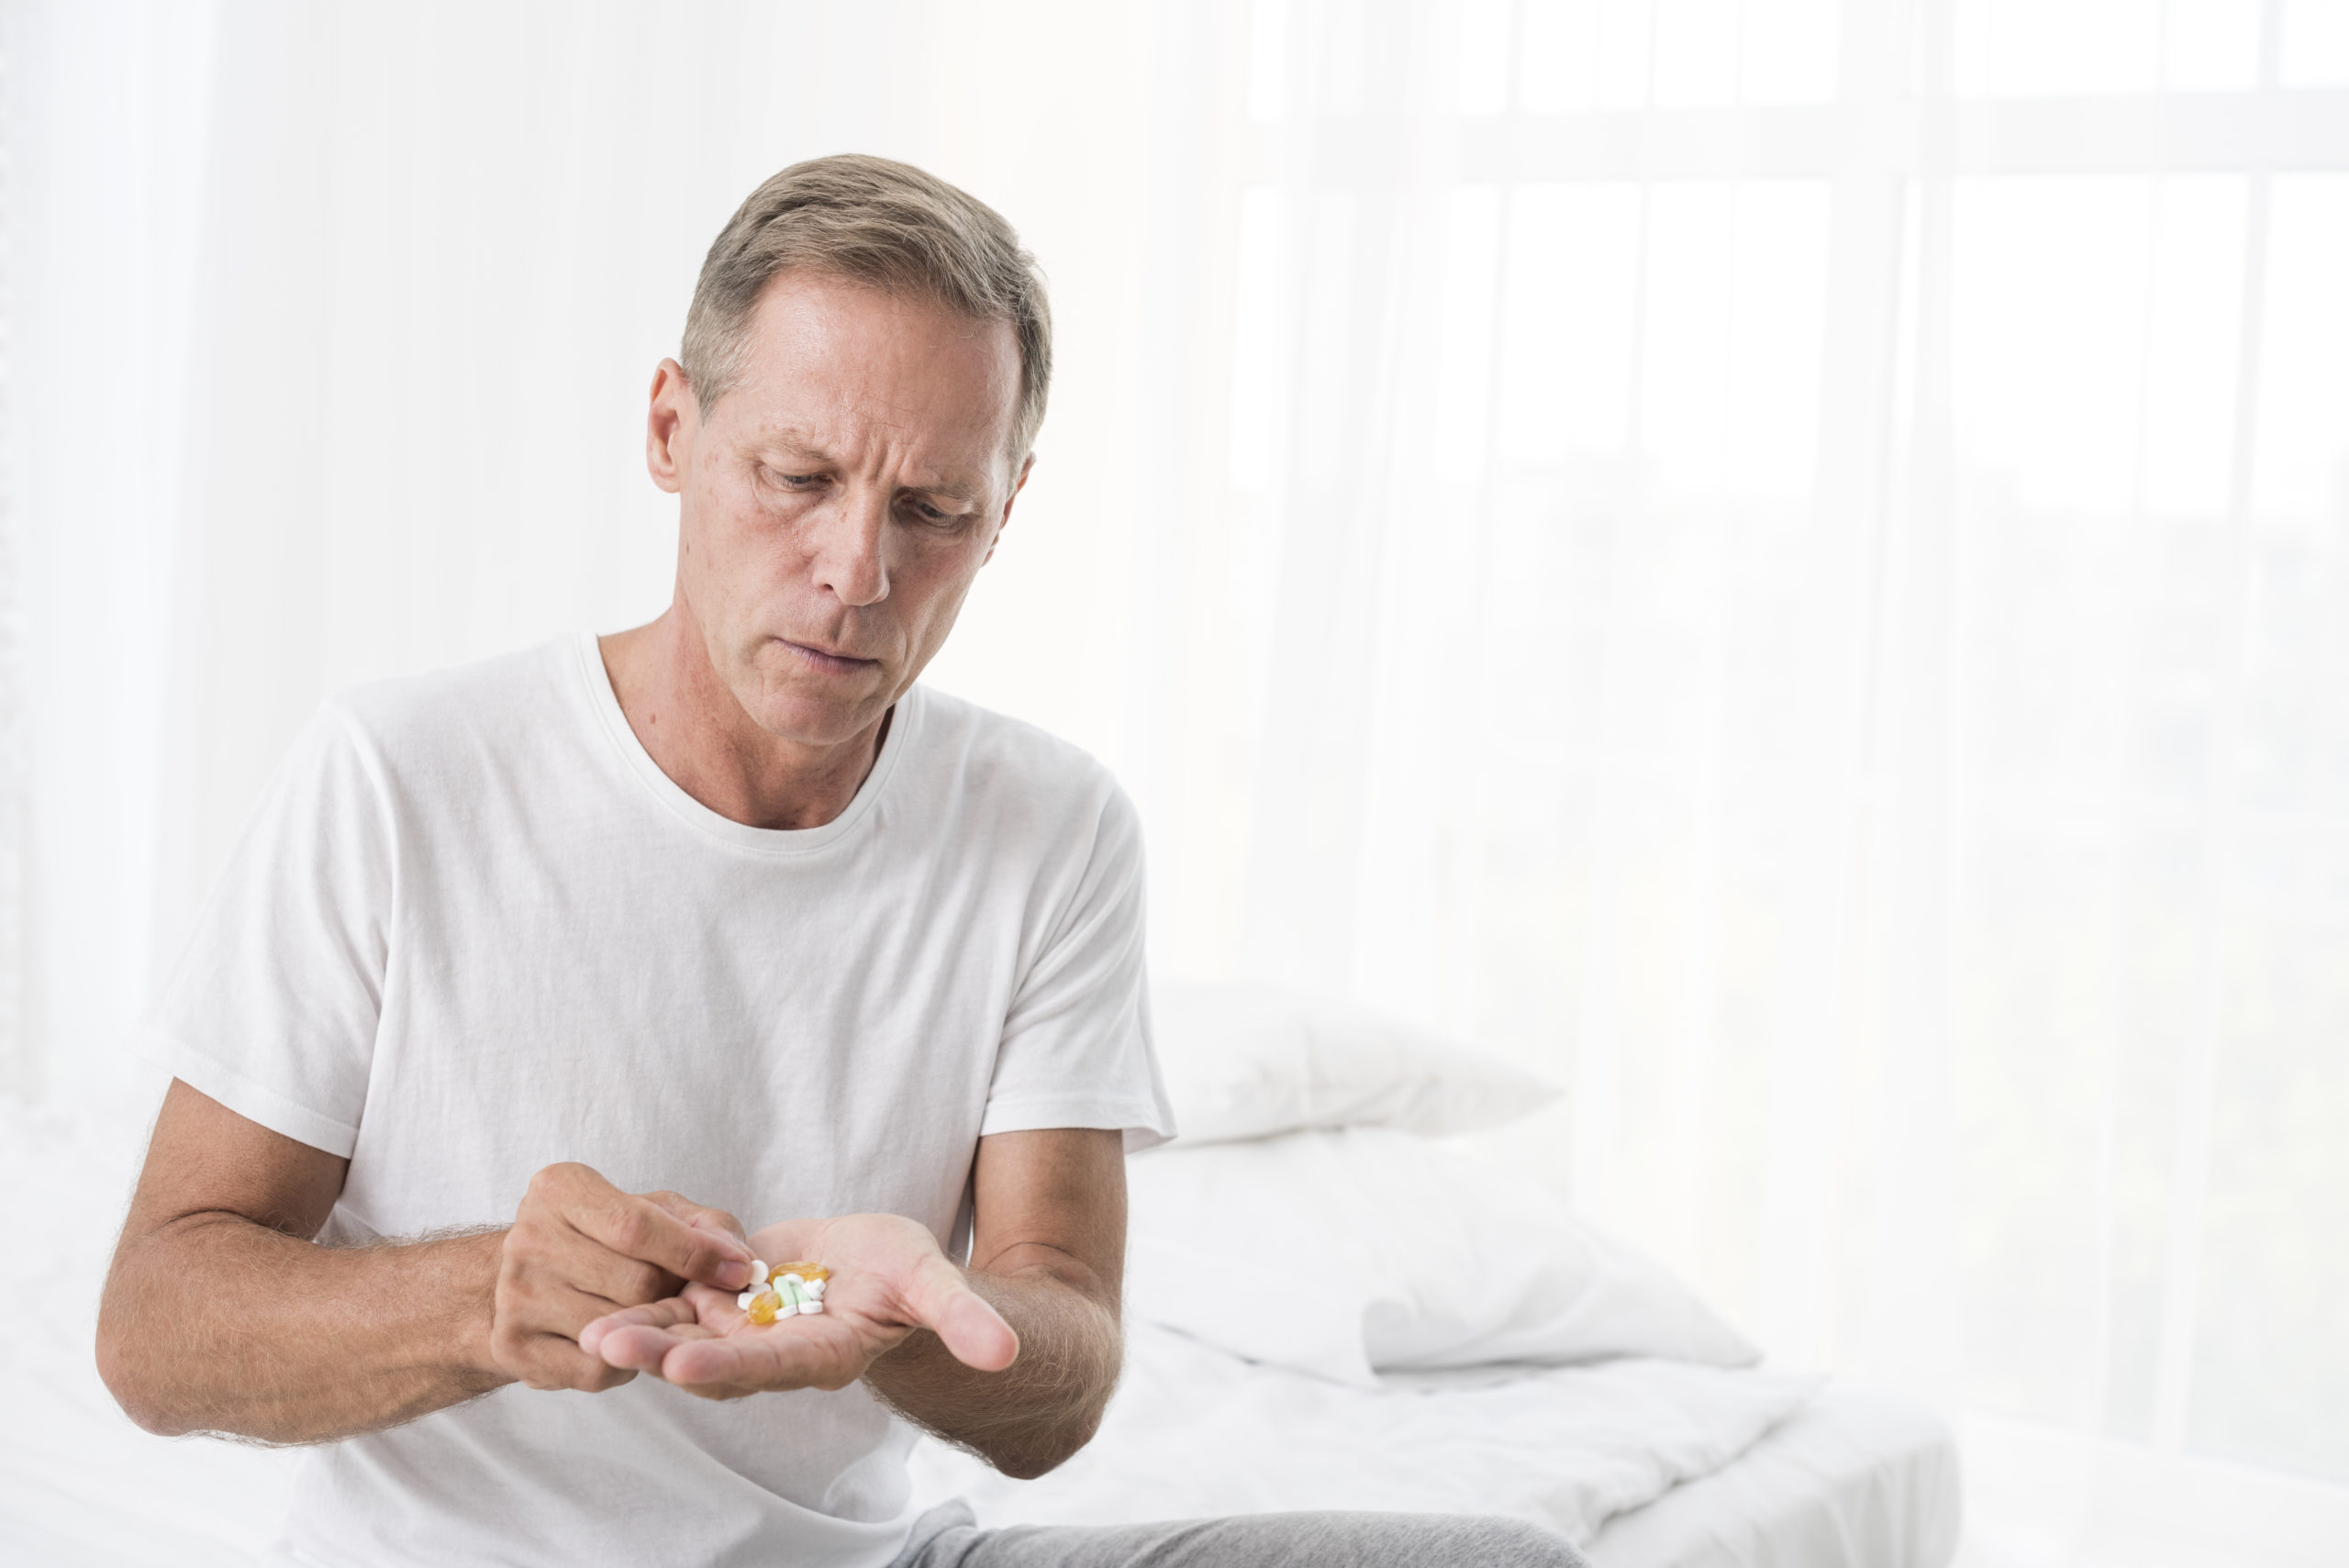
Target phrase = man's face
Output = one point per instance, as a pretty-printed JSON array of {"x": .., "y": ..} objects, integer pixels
[{"x": 837, "y": 502}]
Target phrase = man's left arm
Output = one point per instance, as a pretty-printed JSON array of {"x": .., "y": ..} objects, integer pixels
[
  {"x": 1048, "y": 1253},
  {"x": 1013, "y": 1357}
]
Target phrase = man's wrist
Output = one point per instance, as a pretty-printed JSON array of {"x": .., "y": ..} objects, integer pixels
[{"x": 471, "y": 1285}]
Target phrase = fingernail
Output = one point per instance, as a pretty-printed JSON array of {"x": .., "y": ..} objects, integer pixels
[{"x": 734, "y": 1276}]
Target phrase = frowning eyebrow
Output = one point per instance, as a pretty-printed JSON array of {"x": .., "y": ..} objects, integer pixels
[{"x": 798, "y": 447}]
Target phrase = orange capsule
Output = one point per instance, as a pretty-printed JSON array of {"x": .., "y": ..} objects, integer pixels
[
  {"x": 763, "y": 1306},
  {"x": 805, "y": 1270}
]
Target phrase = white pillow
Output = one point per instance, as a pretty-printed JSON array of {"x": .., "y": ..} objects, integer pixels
[
  {"x": 1247, "y": 1060},
  {"x": 1350, "y": 1253}
]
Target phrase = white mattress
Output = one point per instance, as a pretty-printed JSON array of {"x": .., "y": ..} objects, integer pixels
[
  {"x": 1855, "y": 1479},
  {"x": 80, "y": 1486},
  {"x": 1654, "y": 1465},
  {"x": 1645, "y": 1465}
]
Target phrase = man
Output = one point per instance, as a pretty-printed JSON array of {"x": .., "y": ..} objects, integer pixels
[{"x": 725, "y": 906}]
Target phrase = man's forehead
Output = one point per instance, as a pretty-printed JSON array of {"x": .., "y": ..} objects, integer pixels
[
  {"x": 802, "y": 312},
  {"x": 835, "y": 367}
]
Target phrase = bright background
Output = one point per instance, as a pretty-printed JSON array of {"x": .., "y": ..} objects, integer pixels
[{"x": 1786, "y": 562}]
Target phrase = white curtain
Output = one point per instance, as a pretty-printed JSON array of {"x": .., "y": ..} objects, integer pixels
[{"x": 1783, "y": 561}]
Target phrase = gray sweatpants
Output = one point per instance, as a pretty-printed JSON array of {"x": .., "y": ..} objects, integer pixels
[{"x": 948, "y": 1537}]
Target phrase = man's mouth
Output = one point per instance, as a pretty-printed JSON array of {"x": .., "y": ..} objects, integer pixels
[{"x": 829, "y": 662}]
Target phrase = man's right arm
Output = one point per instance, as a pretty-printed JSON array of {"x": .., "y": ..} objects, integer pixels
[{"x": 221, "y": 1313}]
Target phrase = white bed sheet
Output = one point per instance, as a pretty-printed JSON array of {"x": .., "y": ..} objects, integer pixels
[
  {"x": 80, "y": 1486},
  {"x": 1840, "y": 1482},
  {"x": 1195, "y": 1431},
  {"x": 1854, "y": 1479}
]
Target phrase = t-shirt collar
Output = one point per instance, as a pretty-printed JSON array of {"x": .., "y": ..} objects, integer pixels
[{"x": 606, "y": 705}]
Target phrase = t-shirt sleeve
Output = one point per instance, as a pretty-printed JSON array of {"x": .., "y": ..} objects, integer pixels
[
  {"x": 1076, "y": 1042},
  {"x": 273, "y": 1008}
]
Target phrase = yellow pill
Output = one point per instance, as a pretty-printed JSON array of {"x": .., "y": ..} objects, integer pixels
[{"x": 763, "y": 1306}]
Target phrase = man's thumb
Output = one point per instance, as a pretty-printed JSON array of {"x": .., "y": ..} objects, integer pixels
[{"x": 974, "y": 1331}]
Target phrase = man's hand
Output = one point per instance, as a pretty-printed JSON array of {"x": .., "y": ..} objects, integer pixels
[
  {"x": 221, "y": 1313},
  {"x": 580, "y": 1246},
  {"x": 888, "y": 1280},
  {"x": 936, "y": 1343}
]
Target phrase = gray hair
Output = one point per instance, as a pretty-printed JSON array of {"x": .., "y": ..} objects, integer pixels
[{"x": 873, "y": 221}]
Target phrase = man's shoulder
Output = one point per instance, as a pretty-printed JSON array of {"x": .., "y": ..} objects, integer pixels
[
  {"x": 498, "y": 699},
  {"x": 1012, "y": 763}
]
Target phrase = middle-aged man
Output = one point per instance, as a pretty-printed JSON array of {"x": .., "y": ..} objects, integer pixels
[{"x": 725, "y": 905}]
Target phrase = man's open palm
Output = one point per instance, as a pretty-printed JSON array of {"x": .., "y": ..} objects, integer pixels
[{"x": 888, "y": 1280}]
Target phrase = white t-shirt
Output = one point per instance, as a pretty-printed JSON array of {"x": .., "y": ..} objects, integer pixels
[{"x": 473, "y": 930}]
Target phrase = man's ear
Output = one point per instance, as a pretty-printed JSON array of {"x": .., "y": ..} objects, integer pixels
[
  {"x": 1026, "y": 466},
  {"x": 670, "y": 426}
]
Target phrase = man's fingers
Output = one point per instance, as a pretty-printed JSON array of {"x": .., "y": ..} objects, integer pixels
[
  {"x": 757, "y": 1361},
  {"x": 579, "y": 1247},
  {"x": 638, "y": 1228},
  {"x": 612, "y": 1279},
  {"x": 657, "y": 1316},
  {"x": 977, "y": 1334},
  {"x": 947, "y": 1306},
  {"x": 637, "y": 1348},
  {"x": 641, "y": 1347},
  {"x": 549, "y": 1361},
  {"x": 693, "y": 1213}
]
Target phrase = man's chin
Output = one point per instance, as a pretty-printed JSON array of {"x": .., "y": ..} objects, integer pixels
[{"x": 804, "y": 719}]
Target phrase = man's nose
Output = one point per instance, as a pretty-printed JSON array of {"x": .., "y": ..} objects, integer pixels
[{"x": 851, "y": 556}]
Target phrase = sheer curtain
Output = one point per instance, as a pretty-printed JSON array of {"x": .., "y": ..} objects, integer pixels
[
  {"x": 1807, "y": 553},
  {"x": 1783, "y": 561}
]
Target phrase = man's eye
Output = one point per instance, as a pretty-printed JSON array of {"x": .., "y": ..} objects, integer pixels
[{"x": 776, "y": 479}]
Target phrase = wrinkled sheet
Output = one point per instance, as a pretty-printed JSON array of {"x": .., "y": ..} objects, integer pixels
[
  {"x": 79, "y": 1484},
  {"x": 1193, "y": 1430},
  {"x": 1854, "y": 1479},
  {"x": 1196, "y": 1431}
]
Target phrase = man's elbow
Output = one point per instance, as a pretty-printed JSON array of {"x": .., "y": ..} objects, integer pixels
[
  {"x": 148, "y": 1413},
  {"x": 1041, "y": 1452},
  {"x": 130, "y": 1377},
  {"x": 130, "y": 1391}
]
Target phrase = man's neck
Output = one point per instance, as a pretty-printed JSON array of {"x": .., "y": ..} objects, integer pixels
[{"x": 695, "y": 731}]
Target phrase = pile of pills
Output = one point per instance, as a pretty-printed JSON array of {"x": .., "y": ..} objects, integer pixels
[{"x": 786, "y": 1289}]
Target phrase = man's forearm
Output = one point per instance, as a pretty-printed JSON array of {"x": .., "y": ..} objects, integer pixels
[
  {"x": 215, "y": 1323},
  {"x": 1034, "y": 1414}
]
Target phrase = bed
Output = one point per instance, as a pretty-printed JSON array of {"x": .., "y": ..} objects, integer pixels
[
  {"x": 1854, "y": 1479},
  {"x": 1645, "y": 1465},
  {"x": 1619, "y": 1412}
]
